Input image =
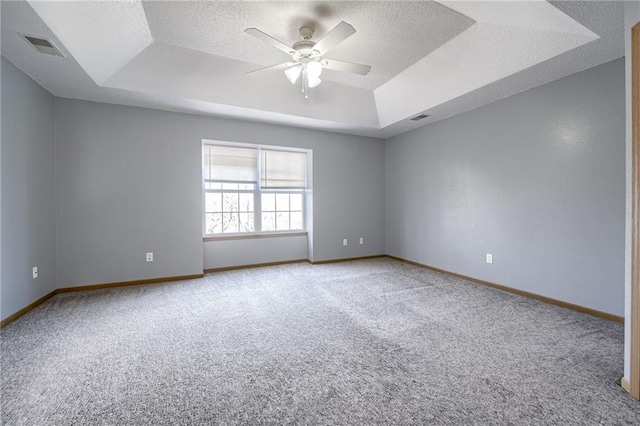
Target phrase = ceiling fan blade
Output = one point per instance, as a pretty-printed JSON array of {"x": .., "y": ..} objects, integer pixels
[
  {"x": 269, "y": 40},
  {"x": 274, "y": 67},
  {"x": 337, "y": 35},
  {"x": 331, "y": 64}
]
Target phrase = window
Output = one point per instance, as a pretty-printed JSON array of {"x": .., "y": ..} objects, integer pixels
[{"x": 252, "y": 189}]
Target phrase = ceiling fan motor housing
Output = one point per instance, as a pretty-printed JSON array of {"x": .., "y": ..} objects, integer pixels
[{"x": 304, "y": 52}]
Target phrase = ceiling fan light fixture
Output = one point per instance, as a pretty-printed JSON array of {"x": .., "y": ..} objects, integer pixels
[
  {"x": 293, "y": 73},
  {"x": 314, "y": 68},
  {"x": 314, "y": 81}
]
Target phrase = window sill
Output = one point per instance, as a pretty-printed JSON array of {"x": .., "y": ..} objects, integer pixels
[{"x": 255, "y": 236}]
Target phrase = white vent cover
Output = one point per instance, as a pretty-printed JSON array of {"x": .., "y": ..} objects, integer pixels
[{"x": 42, "y": 45}]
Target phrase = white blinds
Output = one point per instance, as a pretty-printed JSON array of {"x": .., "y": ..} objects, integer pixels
[
  {"x": 230, "y": 163},
  {"x": 283, "y": 169}
]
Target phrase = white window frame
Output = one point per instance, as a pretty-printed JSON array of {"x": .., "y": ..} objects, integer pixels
[{"x": 258, "y": 191}]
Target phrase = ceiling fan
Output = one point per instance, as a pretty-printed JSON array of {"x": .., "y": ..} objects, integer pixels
[{"x": 307, "y": 56}]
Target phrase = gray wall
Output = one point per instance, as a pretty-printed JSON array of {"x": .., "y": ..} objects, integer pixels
[
  {"x": 128, "y": 182},
  {"x": 536, "y": 179},
  {"x": 631, "y": 18},
  {"x": 27, "y": 176},
  {"x": 222, "y": 254}
]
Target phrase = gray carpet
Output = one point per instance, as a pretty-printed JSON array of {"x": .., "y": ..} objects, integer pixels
[{"x": 365, "y": 342}]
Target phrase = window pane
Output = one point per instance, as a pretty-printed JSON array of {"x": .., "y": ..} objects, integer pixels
[
  {"x": 231, "y": 186},
  {"x": 282, "y": 202},
  {"x": 296, "y": 203},
  {"x": 268, "y": 202},
  {"x": 246, "y": 202},
  {"x": 230, "y": 222},
  {"x": 214, "y": 223},
  {"x": 213, "y": 202},
  {"x": 268, "y": 221},
  {"x": 282, "y": 221},
  {"x": 247, "y": 186},
  {"x": 296, "y": 220},
  {"x": 208, "y": 223},
  {"x": 246, "y": 222},
  {"x": 212, "y": 185},
  {"x": 230, "y": 202}
]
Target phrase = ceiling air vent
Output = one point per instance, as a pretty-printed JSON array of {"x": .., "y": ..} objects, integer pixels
[
  {"x": 419, "y": 117},
  {"x": 42, "y": 45}
]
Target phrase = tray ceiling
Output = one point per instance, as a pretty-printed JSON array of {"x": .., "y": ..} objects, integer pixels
[{"x": 438, "y": 58}]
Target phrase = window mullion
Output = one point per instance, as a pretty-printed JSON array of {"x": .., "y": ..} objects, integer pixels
[
  {"x": 257, "y": 209},
  {"x": 258, "y": 193}
]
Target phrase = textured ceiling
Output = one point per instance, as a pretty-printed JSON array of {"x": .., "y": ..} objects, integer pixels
[
  {"x": 439, "y": 57},
  {"x": 380, "y": 42}
]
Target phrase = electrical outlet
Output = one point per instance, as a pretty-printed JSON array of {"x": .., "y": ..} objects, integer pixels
[
  {"x": 361, "y": 240},
  {"x": 344, "y": 242},
  {"x": 149, "y": 257},
  {"x": 489, "y": 258},
  {"x": 35, "y": 272}
]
